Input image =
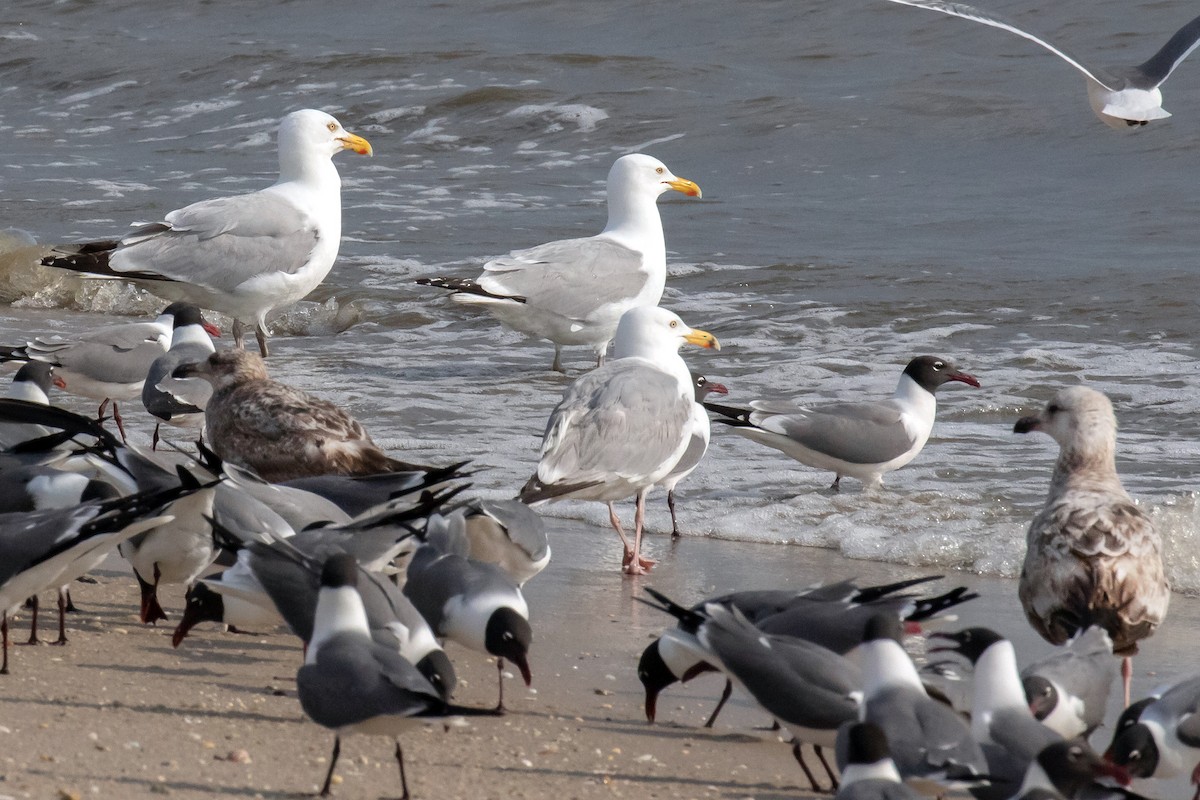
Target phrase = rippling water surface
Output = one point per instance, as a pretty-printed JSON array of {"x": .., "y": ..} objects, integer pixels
[{"x": 879, "y": 183}]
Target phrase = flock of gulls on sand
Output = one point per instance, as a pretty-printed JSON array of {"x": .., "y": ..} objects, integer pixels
[{"x": 287, "y": 513}]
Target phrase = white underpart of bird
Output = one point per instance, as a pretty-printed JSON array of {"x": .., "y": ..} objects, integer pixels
[
  {"x": 1122, "y": 96},
  {"x": 574, "y": 291},
  {"x": 621, "y": 428},
  {"x": 247, "y": 254}
]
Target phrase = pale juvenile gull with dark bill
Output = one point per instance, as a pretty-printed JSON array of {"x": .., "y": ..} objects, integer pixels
[
  {"x": 574, "y": 291},
  {"x": 1122, "y": 96},
  {"x": 243, "y": 255},
  {"x": 1092, "y": 556},
  {"x": 620, "y": 428}
]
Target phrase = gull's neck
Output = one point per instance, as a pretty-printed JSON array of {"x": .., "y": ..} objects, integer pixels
[
  {"x": 886, "y": 664},
  {"x": 28, "y": 391},
  {"x": 192, "y": 334},
  {"x": 882, "y": 770},
  {"x": 1089, "y": 460},
  {"x": 308, "y": 167},
  {"x": 338, "y": 610},
  {"x": 997, "y": 686},
  {"x": 633, "y": 220},
  {"x": 914, "y": 396}
]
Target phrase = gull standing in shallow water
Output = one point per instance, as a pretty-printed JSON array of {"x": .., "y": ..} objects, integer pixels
[
  {"x": 861, "y": 439},
  {"x": 277, "y": 430},
  {"x": 1121, "y": 97},
  {"x": 241, "y": 255},
  {"x": 1092, "y": 556},
  {"x": 620, "y": 428},
  {"x": 574, "y": 291}
]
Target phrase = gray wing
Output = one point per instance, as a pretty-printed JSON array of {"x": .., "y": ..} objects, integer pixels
[
  {"x": 121, "y": 354},
  {"x": 27, "y": 537},
  {"x": 164, "y": 396},
  {"x": 1085, "y": 668},
  {"x": 860, "y": 433},
  {"x": 355, "y": 679},
  {"x": 996, "y": 21},
  {"x": 572, "y": 277},
  {"x": 1160, "y": 66},
  {"x": 1182, "y": 703},
  {"x": 625, "y": 418},
  {"x": 926, "y": 737},
  {"x": 512, "y": 519},
  {"x": 219, "y": 244}
]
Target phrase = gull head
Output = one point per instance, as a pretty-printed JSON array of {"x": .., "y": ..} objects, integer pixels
[
  {"x": 1079, "y": 418},
  {"x": 647, "y": 176},
  {"x": 310, "y": 133},
  {"x": 225, "y": 368},
  {"x": 647, "y": 331}
]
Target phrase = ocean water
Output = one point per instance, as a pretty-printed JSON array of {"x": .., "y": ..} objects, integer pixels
[{"x": 879, "y": 182}]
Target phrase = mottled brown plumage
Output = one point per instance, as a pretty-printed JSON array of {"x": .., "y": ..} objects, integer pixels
[
  {"x": 1092, "y": 557},
  {"x": 277, "y": 430}
]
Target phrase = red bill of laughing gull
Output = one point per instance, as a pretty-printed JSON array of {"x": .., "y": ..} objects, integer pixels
[
  {"x": 697, "y": 445},
  {"x": 1121, "y": 96},
  {"x": 243, "y": 255},
  {"x": 863, "y": 439},
  {"x": 1092, "y": 556},
  {"x": 277, "y": 430},
  {"x": 574, "y": 291},
  {"x": 622, "y": 427},
  {"x": 108, "y": 364},
  {"x": 1071, "y": 768}
]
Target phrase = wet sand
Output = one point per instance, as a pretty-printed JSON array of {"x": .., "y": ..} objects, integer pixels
[{"x": 119, "y": 713}]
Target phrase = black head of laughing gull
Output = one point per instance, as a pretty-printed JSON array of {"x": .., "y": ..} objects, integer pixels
[
  {"x": 1068, "y": 690},
  {"x": 1159, "y": 737},
  {"x": 351, "y": 683},
  {"x": 862, "y": 439},
  {"x": 1123, "y": 96},
  {"x": 1092, "y": 556}
]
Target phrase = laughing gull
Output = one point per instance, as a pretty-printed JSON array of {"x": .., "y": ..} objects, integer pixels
[
  {"x": 277, "y": 430},
  {"x": 107, "y": 364},
  {"x": 1092, "y": 556},
  {"x": 473, "y": 603},
  {"x": 622, "y": 427},
  {"x": 1122, "y": 96},
  {"x": 32, "y": 384},
  {"x": 1162, "y": 738},
  {"x": 46, "y": 549},
  {"x": 352, "y": 684},
  {"x": 862, "y": 439},
  {"x": 870, "y": 773},
  {"x": 574, "y": 291},
  {"x": 179, "y": 401},
  {"x": 930, "y": 741},
  {"x": 1000, "y": 714},
  {"x": 243, "y": 255},
  {"x": 1068, "y": 690},
  {"x": 1069, "y": 768},
  {"x": 697, "y": 445},
  {"x": 506, "y": 533},
  {"x": 810, "y": 690}
]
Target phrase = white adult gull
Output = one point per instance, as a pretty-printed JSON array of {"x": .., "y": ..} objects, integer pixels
[
  {"x": 864, "y": 439},
  {"x": 243, "y": 255},
  {"x": 1092, "y": 556},
  {"x": 1122, "y": 96},
  {"x": 622, "y": 427},
  {"x": 574, "y": 291}
]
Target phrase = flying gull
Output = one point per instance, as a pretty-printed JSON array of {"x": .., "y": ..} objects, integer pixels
[
  {"x": 863, "y": 439},
  {"x": 277, "y": 430},
  {"x": 243, "y": 255},
  {"x": 574, "y": 291},
  {"x": 1122, "y": 96},
  {"x": 697, "y": 446},
  {"x": 1092, "y": 556},
  {"x": 621, "y": 428}
]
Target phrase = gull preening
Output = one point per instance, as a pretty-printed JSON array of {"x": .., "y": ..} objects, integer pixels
[
  {"x": 243, "y": 255},
  {"x": 574, "y": 291},
  {"x": 864, "y": 439},
  {"x": 1123, "y": 96},
  {"x": 1092, "y": 556},
  {"x": 622, "y": 427}
]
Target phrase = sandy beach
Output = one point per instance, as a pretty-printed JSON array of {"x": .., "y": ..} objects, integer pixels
[{"x": 119, "y": 713}]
